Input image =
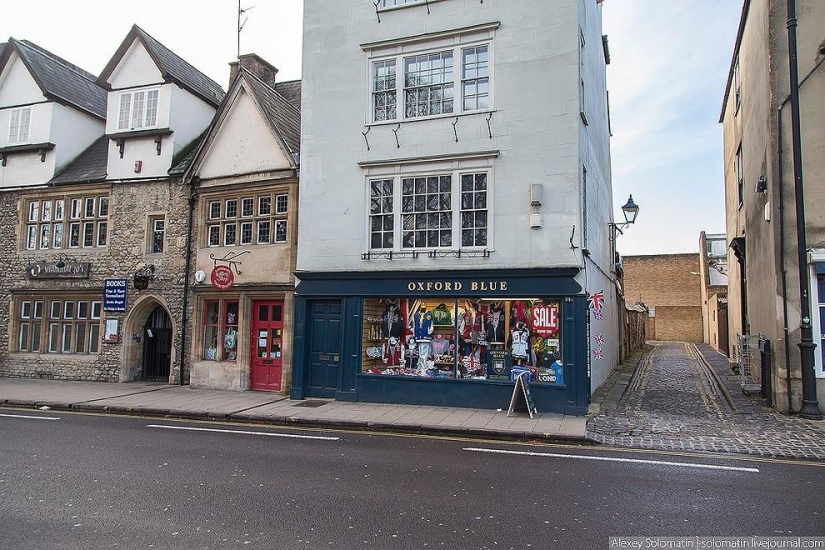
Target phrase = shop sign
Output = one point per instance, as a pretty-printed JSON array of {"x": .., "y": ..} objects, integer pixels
[
  {"x": 43, "y": 270},
  {"x": 546, "y": 319},
  {"x": 497, "y": 365},
  {"x": 114, "y": 294},
  {"x": 222, "y": 278},
  {"x": 522, "y": 397},
  {"x": 457, "y": 286}
]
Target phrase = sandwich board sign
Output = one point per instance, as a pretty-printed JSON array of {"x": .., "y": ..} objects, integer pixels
[{"x": 521, "y": 396}]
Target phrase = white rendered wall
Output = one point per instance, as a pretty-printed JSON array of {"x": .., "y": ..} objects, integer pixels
[
  {"x": 17, "y": 87},
  {"x": 27, "y": 168},
  {"x": 535, "y": 127},
  {"x": 594, "y": 143},
  {"x": 72, "y": 132},
  {"x": 244, "y": 143},
  {"x": 189, "y": 116},
  {"x": 135, "y": 69}
]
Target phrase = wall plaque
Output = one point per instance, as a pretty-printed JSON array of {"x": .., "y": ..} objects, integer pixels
[{"x": 44, "y": 270}]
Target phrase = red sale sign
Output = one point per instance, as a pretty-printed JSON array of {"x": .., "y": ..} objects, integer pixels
[{"x": 546, "y": 319}]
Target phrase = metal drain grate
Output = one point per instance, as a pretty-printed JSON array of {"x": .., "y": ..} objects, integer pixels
[{"x": 311, "y": 403}]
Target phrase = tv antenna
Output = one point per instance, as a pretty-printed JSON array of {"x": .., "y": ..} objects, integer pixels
[{"x": 242, "y": 12}]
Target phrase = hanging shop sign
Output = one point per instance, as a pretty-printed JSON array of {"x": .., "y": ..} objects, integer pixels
[
  {"x": 222, "y": 277},
  {"x": 114, "y": 294},
  {"x": 44, "y": 270},
  {"x": 546, "y": 319}
]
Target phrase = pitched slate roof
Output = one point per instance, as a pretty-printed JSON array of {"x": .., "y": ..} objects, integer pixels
[
  {"x": 291, "y": 91},
  {"x": 89, "y": 166},
  {"x": 172, "y": 67},
  {"x": 283, "y": 116},
  {"x": 58, "y": 79}
]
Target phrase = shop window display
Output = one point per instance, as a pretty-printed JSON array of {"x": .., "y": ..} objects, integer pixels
[{"x": 475, "y": 339}]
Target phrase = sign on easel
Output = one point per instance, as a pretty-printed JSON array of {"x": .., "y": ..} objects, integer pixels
[{"x": 522, "y": 399}]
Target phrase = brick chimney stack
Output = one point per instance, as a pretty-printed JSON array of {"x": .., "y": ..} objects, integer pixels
[{"x": 255, "y": 65}]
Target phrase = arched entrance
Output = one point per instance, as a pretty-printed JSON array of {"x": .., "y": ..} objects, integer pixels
[{"x": 157, "y": 345}]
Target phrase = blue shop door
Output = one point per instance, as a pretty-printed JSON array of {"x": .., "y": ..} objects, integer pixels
[{"x": 325, "y": 342}]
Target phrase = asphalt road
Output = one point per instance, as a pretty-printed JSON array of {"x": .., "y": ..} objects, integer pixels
[{"x": 84, "y": 481}]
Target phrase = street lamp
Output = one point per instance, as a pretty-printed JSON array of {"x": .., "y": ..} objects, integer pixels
[{"x": 630, "y": 211}]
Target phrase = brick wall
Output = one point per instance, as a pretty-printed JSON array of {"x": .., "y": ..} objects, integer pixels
[{"x": 670, "y": 285}]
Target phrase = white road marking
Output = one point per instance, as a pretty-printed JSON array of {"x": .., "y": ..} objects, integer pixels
[
  {"x": 29, "y": 417},
  {"x": 267, "y": 434},
  {"x": 611, "y": 459}
]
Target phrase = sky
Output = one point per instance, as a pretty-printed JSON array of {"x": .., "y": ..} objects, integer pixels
[{"x": 669, "y": 66}]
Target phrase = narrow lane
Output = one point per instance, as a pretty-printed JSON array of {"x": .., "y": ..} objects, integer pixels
[{"x": 673, "y": 402}]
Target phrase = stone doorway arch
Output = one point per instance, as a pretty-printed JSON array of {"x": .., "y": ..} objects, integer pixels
[{"x": 133, "y": 353}]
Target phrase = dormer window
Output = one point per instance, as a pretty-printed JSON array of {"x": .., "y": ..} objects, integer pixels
[
  {"x": 19, "y": 125},
  {"x": 138, "y": 109}
]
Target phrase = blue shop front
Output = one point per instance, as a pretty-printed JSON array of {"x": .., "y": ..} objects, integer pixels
[{"x": 445, "y": 338}]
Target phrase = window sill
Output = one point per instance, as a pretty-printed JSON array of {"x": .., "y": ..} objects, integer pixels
[
  {"x": 405, "y": 6},
  {"x": 129, "y": 134},
  {"x": 430, "y": 117}
]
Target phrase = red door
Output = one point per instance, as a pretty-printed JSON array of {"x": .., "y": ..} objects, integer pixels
[{"x": 267, "y": 345}]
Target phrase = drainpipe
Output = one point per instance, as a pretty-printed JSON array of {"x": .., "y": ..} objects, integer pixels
[
  {"x": 193, "y": 195},
  {"x": 782, "y": 262}
]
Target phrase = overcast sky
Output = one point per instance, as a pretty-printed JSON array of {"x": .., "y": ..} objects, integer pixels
[{"x": 670, "y": 60}]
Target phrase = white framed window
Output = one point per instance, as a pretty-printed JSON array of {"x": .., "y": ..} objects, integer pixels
[
  {"x": 246, "y": 220},
  {"x": 138, "y": 109},
  {"x": 428, "y": 211},
  {"x": 47, "y": 227},
  {"x": 157, "y": 236},
  {"x": 393, "y": 3},
  {"x": 68, "y": 328},
  {"x": 20, "y": 125},
  {"x": 817, "y": 275},
  {"x": 442, "y": 82}
]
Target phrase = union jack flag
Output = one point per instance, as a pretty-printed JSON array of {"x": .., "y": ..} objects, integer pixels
[
  {"x": 598, "y": 315},
  {"x": 597, "y": 354},
  {"x": 596, "y": 300},
  {"x": 599, "y": 339}
]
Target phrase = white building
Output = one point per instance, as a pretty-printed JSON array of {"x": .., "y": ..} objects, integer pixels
[{"x": 455, "y": 183}]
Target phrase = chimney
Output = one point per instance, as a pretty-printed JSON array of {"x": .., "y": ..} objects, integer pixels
[{"x": 255, "y": 65}]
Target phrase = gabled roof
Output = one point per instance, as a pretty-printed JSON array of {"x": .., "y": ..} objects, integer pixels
[
  {"x": 58, "y": 79},
  {"x": 283, "y": 117},
  {"x": 88, "y": 166},
  {"x": 172, "y": 67},
  {"x": 291, "y": 91}
]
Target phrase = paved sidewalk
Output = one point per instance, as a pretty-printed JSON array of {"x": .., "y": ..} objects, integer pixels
[
  {"x": 154, "y": 398},
  {"x": 678, "y": 396}
]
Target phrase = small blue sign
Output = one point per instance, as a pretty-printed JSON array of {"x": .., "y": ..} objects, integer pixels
[{"x": 114, "y": 294}]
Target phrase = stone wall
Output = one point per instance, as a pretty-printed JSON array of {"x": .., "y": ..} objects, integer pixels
[{"x": 130, "y": 205}]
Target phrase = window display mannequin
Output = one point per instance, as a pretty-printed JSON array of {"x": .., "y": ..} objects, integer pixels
[
  {"x": 230, "y": 341},
  {"x": 469, "y": 326},
  {"x": 412, "y": 353},
  {"x": 495, "y": 324},
  {"x": 422, "y": 324},
  {"x": 520, "y": 343},
  {"x": 393, "y": 355},
  {"x": 391, "y": 324}
]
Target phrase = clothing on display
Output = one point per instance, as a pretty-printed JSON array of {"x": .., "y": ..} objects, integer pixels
[
  {"x": 422, "y": 323},
  {"x": 391, "y": 323},
  {"x": 495, "y": 324},
  {"x": 520, "y": 342},
  {"x": 441, "y": 346},
  {"x": 393, "y": 353},
  {"x": 442, "y": 316}
]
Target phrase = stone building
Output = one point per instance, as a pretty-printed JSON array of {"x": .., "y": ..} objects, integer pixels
[
  {"x": 670, "y": 286},
  {"x": 244, "y": 178},
  {"x": 713, "y": 268},
  {"x": 96, "y": 281},
  {"x": 458, "y": 153},
  {"x": 763, "y": 293}
]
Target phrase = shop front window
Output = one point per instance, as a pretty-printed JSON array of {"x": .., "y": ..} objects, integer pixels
[
  {"x": 220, "y": 330},
  {"x": 468, "y": 338}
]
